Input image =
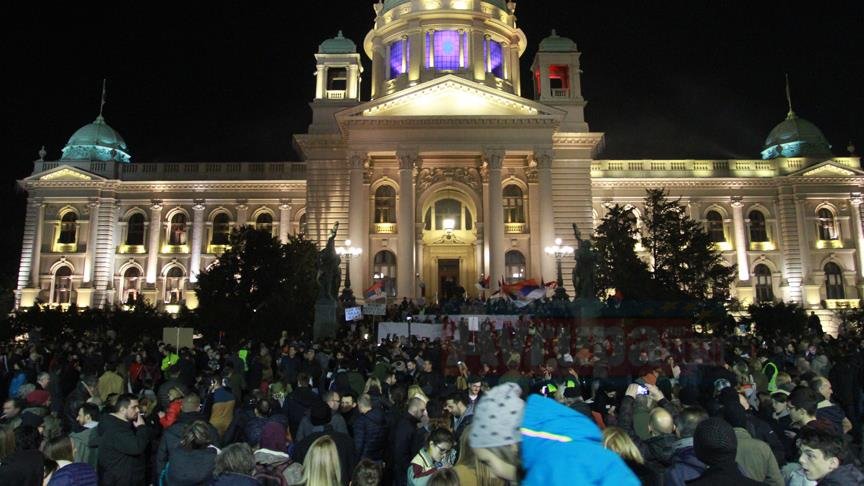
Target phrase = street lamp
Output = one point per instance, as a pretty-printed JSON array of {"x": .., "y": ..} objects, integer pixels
[
  {"x": 348, "y": 252},
  {"x": 559, "y": 252}
]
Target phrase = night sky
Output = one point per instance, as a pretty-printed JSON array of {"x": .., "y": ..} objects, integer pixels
[{"x": 196, "y": 81}]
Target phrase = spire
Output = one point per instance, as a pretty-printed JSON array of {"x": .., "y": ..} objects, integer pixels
[
  {"x": 102, "y": 103},
  {"x": 791, "y": 113}
]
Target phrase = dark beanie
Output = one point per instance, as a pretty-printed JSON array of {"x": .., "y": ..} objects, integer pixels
[
  {"x": 319, "y": 414},
  {"x": 735, "y": 414},
  {"x": 273, "y": 437},
  {"x": 714, "y": 442}
]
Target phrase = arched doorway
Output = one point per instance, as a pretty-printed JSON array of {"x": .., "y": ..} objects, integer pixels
[{"x": 449, "y": 259}]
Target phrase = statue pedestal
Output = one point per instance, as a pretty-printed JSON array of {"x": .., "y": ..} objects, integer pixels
[{"x": 326, "y": 319}]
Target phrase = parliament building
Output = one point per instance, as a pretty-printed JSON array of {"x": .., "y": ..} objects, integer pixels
[{"x": 447, "y": 174}]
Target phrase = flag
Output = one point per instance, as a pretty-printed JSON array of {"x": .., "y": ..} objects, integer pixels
[
  {"x": 375, "y": 291},
  {"x": 527, "y": 289},
  {"x": 483, "y": 284}
]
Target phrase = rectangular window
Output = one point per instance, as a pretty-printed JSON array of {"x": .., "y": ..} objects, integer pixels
[
  {"x": 446, "y": 50},
  {"x": 496, "y": 59},
  {"x": 398, "y": 62}
]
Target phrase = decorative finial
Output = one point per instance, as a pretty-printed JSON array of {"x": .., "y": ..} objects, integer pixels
[
  {"x": 511, "y": 6},
  {"x": 791, "y": 113},
  {"x": 850, "y": 147},
  {"x": 339, "y": 35},
  {"x": 102, "y": 103},
  {"x": 43, "y": 153},
  {"x": 554, "y": 34}
]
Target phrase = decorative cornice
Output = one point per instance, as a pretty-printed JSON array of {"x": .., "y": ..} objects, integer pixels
[
  {"x": 357, "y": 160},
  {"x": 450, "y": 121},
  {"x": 469, "y": 176}
]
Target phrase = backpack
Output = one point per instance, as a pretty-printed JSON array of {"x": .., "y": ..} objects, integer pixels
[{"x": 271, "y": 474}]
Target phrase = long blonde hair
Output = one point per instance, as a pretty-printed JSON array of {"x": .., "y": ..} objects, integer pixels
[
  {"x": 468, "y": 460},
  {"x": 321, "y": 466},
  {"x": 616, "y": 440}
]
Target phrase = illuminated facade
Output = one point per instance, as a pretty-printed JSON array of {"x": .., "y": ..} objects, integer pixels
[{"x": 446, "y": 175}]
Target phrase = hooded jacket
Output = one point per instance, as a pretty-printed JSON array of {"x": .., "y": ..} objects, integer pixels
[
  {"x": 845, "y": 475},
  {"x": 191, "y": 467},
  {"x": 685, "y": 465},
  {"x": 562, "y": 447}
]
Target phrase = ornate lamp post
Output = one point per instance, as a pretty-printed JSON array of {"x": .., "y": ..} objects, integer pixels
[
  {"x": 348, "y": 252},
  {"x": 559, "y": 252}
]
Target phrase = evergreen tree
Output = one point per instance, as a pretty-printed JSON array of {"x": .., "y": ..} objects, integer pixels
[
  {"x": 685, "y": 264},
  {"x": 259, "y": 286},
  {"x": 618, "y": 265}
]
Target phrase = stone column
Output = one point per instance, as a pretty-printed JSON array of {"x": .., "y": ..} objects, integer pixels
[
  {"x": 430, "y": 62},
  {"x": 197, "y": 237},
  {"x": 484, "y": 228},
  {"x": 284, "y": 220},
  {"x": 478, "y": 61},
  {"x": 547, "y": 217},
  {"x": 803, "y": 242},
  {"x": 26, "y": 292},
  {"x": 495, "y": 159},
  {"x": 90, "y": 257},
  {"x": 856, "y": 200},
  {"x": 740, "y": 238},
  {"x": 353, "y": 82},
  {"x": 320, "y": 81},
  {"x": 37, "y": 245},
  {"x": 515, "y": 75},
  {"x": 153, "y": 243},
  {"x": 408, "y": 161},
  {"x": 242, "y": 213},
  {"x": 358, "y": 224}
]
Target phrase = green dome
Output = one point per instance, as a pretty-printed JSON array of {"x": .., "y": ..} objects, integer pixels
[
  {"x": 388, "y": 4},
  {"x": 796, "y": 137},
  {"x": 556, "y": 43},
  {"x": 96, "y": 141},
  {"x": 337, "y": 45}
]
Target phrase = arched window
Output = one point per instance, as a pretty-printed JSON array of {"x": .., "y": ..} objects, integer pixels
[
  {"x": 384, "y": 270},
  {"x": 834, "y": 282},
  {"x": 135, "y": 230},
  {"x": 449, "y": 210},
  {"x": 514, "y": 266},
  {"x": 264, "y": 222},
  {"x": 303, "y": 226},
  {"x": 758, "y": 232},
  {"x": 221, "y": 229},
  {"x": 514, "y": 210},
  {"x": 385, "y": 205},
  {"x": 764, "y": 286},
  {"x": 63, "y": 285},
  {"x": 174, "y": 285},
  {"x": 827, "y": 225},
  {"x": 177, "y": 233},
  {"x": 68, "y": 228},
  {"x": 715, "y": 226},
  {"x": 131, "y": 285}
]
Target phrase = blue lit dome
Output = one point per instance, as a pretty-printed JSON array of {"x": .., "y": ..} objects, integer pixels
[
  {"x": 796, "y": 137},
  {"x": 96, "y": 141},
  {"x": 388, "y": 4},
  {"x": 556, "y": 43},
  {"x": 337, "y": 45}
]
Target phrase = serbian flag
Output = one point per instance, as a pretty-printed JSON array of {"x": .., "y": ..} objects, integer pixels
[
  {"x": 527, "y": 289},
  {"x": 375, "y": 291}
]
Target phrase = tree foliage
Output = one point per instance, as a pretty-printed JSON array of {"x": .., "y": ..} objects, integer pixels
[
  {"x": 618, "y": 265},
  {"x": 259, "y": 286},
  {"x": 685, "y": 265},
  {"x": 772, "y": 319}
]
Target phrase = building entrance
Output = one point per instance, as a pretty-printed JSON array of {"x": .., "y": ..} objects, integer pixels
[{"x": 448, "y": 279}]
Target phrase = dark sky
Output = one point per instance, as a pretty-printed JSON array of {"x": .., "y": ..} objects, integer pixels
[{"x": 231, "y": 81}]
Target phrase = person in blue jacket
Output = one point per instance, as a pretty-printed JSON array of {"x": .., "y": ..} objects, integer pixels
[{"x": 541, "y": 442}]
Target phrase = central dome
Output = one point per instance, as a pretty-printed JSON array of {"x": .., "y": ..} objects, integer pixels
[
  {"x": 96, "y": 141},
  {"x": 388, "y": 4},
  {"x": 796, "y": 137}
]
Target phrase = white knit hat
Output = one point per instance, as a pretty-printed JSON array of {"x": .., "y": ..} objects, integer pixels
[{"x": 497, "y": 417}]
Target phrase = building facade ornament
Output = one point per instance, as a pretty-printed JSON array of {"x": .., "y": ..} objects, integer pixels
[{"x": 428, "y": 177}]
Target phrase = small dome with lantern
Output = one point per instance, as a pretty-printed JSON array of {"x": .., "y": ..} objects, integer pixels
[{"x": 337, "y": 45}]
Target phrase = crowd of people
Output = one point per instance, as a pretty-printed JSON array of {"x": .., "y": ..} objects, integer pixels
[{"x": 533, "y": 404}]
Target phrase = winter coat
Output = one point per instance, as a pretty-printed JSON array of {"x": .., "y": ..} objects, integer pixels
[
  {"x": 562, "y": 447},
  {"x": 845, "y": 475},
  {"x": 25, "y": 467},
  {"x": 222, "y": 412},
  {"x": 74, "y": 400},
  {"x": 234, "y": 479},
  {"x": 756, "y": 458},
  {"x": 171, "y": 414},
  {"x": 85, "y": 451},
  {"x": 121, "y": 452},
  {"x": 370, "y": 435},
  {"x": 109, "y": 383},
  {"x": 74, "y": 474},
  {"x": 405, "y": 440},
  {"x": 254, "y": 426},
  {"x": 422, "y": 467},
  {"x": 306, "y": 428},
  {"x": 172, "y": 436},
  {"x": 190, "y": 467},
  {"x": 725, "y": 474},
  {"x": 832, "y": 413},
  {"x": 685, "y": 466}
]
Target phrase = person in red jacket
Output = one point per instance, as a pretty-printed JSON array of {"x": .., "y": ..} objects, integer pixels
[{"x": 168, "y": 417}]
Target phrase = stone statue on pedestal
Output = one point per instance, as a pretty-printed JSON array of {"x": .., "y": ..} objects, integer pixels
[
  {"x": 329, "y": 272},
  {"x": 586, "y": 266}
]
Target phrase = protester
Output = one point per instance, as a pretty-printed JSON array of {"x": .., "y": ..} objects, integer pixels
[
  {"x": 434, "y": 456},
  {"x": 191, "y": 462},
  {"x": 60, "y": 451},
  {"x": 123, "y": 440},
  {"x": 322, "y": 464},
  {"x": 235, "y": 466}
]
